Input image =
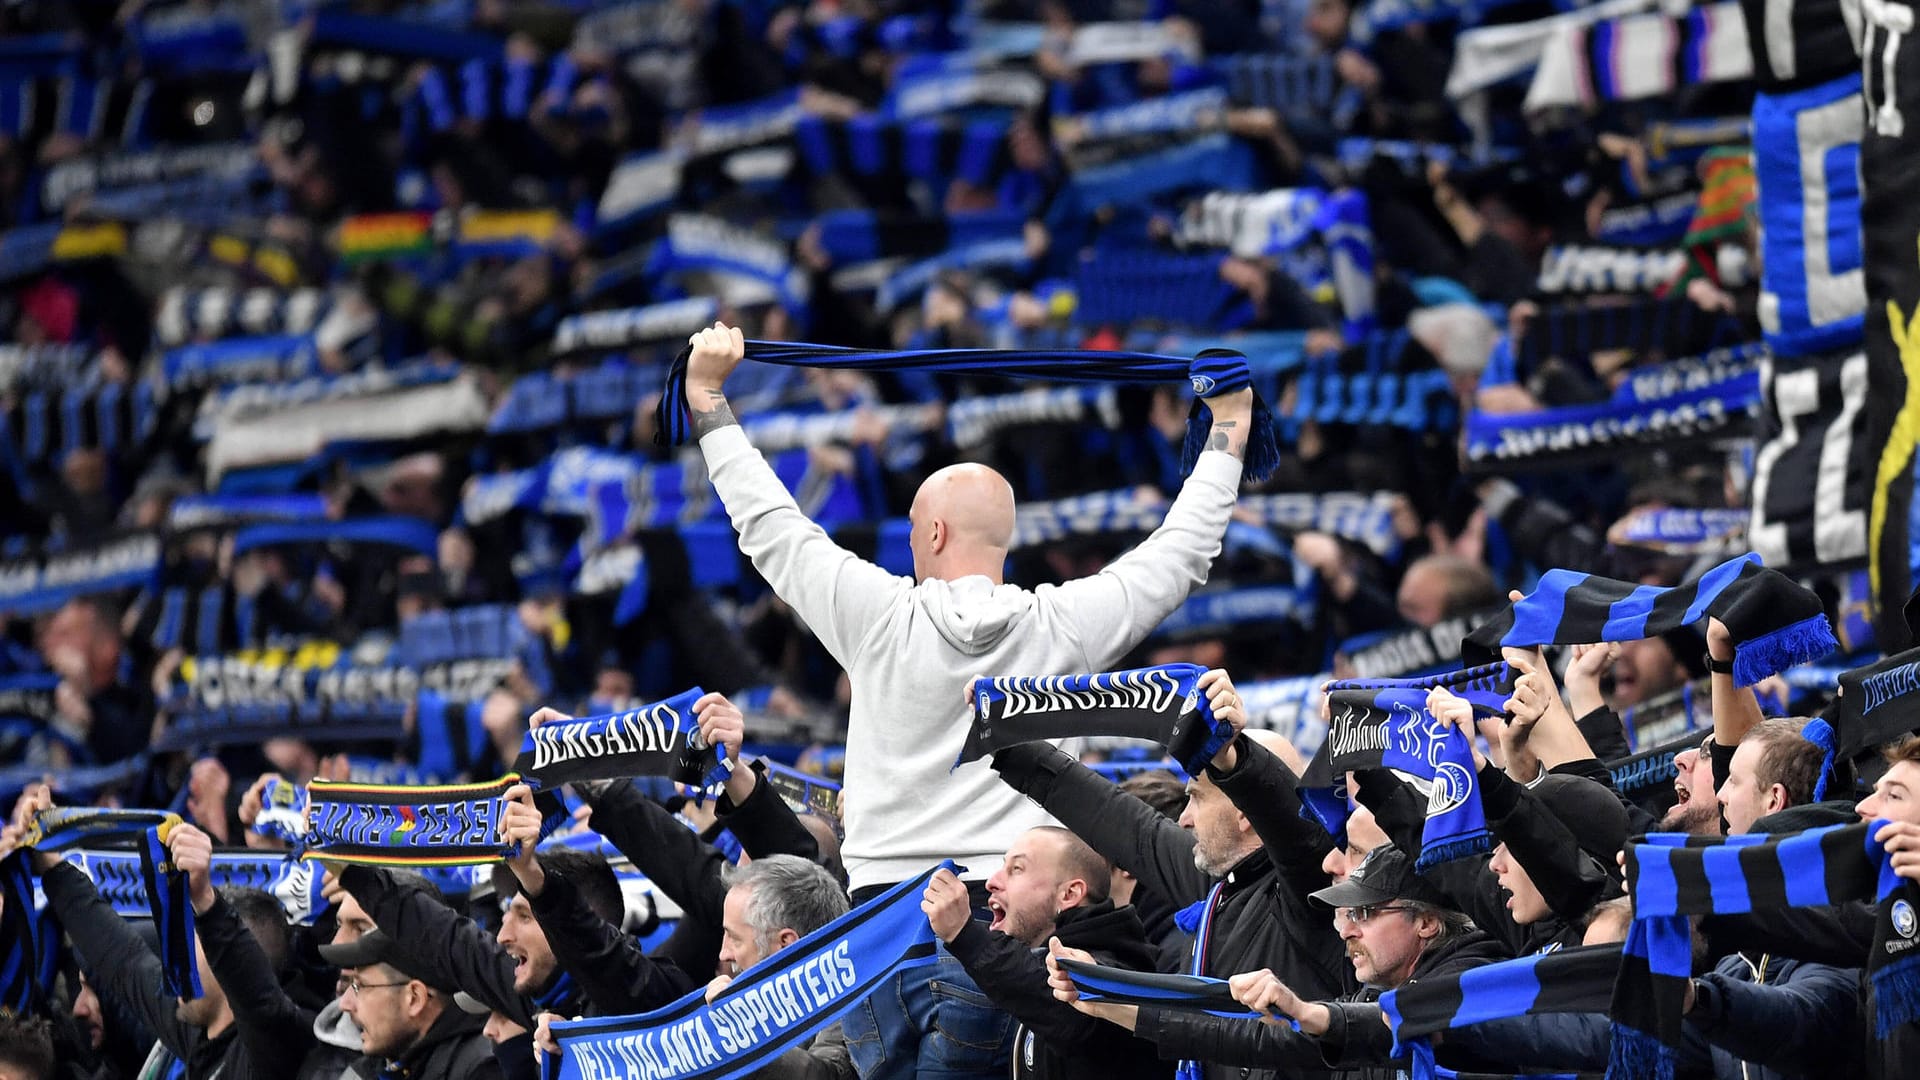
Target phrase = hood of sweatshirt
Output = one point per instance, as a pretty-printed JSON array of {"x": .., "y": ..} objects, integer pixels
[
  {"x": 1103, "y": 928},
  {"x": 335, "y": 1028},
  {"x": 973, "y": 613}
]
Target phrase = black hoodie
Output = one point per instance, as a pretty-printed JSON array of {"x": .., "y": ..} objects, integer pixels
[{"x": 1054, "y": 1039}]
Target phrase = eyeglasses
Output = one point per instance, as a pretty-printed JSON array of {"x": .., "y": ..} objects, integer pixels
[
  {"x": 1361, "y": 916},
  {"x": 359, "y": 987}
]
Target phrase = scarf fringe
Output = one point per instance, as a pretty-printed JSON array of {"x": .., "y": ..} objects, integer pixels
[
  {"x": 1459, "y": 847},
  {"x": 1188, "y": 918},
  {"x": 1636, "y": 1055},
  {"x": 1809, "y": 639},
  {"x": 1263, "y": 448},
  {"x": 1896, "y": 991}
]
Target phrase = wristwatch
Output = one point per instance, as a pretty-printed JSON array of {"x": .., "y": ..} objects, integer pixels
[{"x": 1718, "y": 667}]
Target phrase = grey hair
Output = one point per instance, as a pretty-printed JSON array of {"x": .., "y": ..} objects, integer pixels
[
  {"x": 788, "y": 893},
  {"x": 1453, "y": 923}
]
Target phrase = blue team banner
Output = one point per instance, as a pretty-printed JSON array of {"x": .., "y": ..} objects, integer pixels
[{"x": 772, "y": 1007}]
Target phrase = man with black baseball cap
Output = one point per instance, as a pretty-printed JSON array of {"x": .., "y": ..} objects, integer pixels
[
  {"x": 408, "y": 1028},
  {"x": 1556, "y": 841},
  {"x": 1396, "y": 929}
]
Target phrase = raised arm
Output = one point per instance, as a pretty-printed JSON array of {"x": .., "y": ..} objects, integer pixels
[
  {"x": 1015, "y": 977},
  {"x": 275, "y": 1030},
  {"x": 1117, "y": 607},
  {"x": 1138, "y": 838},
  {"x": 661, "y": 846},
  {"x": 127, "y": 970},
  {"x": 1569, "y": 880},
  {"x": 1262, "y": 787},
  {"x": 837, "y": 594},
  {"x": 440, "y": 945},
  {"x": 1735, "y": 709}
]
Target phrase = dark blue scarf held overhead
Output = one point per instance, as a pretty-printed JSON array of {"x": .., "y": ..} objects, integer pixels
[
  {"x": 1775, "y": 622},
  {"x": 414, "y": 825},
  {"x": 1213, "y": 372},
  {"x": 1384, "y": 723},
  {"x": 1162, "y": 704},
  {"x": 172, "y": 910},
  {"x": 661, "y": 739}
]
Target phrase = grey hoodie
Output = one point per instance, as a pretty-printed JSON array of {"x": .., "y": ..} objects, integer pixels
[
  {"x": 910, "y": 650},
  {"x": 338, "y": 1047}
]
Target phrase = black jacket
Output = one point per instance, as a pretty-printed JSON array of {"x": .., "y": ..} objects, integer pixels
[
  {"x": 611, "y": 968},
  {"x": 269, "y": 1036},
  {"x": 1568, "y": 879},
  {"x": 1054, "y": 1039},
  {"x": 443, "y": 948},
  {"x": 1358, "y": 1046},
  {"x": 1263, "y": 919},
  {"x": 452, "y": 1049}
]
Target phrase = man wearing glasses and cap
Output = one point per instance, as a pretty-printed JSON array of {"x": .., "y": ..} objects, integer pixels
[
  {"x": 408, "y": 1028},
  {"x": 1396, "y": 929}
]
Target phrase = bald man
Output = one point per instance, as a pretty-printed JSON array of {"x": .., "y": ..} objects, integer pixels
[{"x": 911, "y": 646}]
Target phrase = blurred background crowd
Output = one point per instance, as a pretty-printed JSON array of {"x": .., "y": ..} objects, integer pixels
[{"x": 336, "y": 328}]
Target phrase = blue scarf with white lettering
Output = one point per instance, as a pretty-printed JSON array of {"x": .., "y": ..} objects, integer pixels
[
  {"x": 1682, "y": 401},
  {"x": 1213, "y": 372},
  {"x": 768, "y": 1009},
  {"x": 1162, "y": 704},
  {"x": 118, "y": 877},
  {"x": 1876, "y": 703},
  {"x": 1384, "y": 724},
  {"x": 661, "y": 739},
  {"x": 1679, "y": 530},
  {"x": 393, "y": 825},
  {"x": 49, "y": 577}
]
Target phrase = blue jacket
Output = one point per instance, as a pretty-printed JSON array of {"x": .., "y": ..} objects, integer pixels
[{"x": 1801, "y": 1019}]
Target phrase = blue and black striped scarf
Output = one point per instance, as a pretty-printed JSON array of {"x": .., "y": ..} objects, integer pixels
[
  {"x": 1567, "y": 980},
  {"x": 1674, "y": 877},
  {"x": 1214, "y": 371},
  {"x": 1775, "y": 622},
  {"x": 1384, "y": 723}
]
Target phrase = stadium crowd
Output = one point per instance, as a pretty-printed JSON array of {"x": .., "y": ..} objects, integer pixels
[{"x": 452, "y": 624}]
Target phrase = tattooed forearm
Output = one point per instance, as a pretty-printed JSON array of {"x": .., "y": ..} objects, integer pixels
[
  {"x": 718, "y": 413},
  {"x": 1223, "y": 438}
]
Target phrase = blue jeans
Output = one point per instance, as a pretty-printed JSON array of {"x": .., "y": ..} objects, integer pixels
[{"x": 932, "y": 1023}]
